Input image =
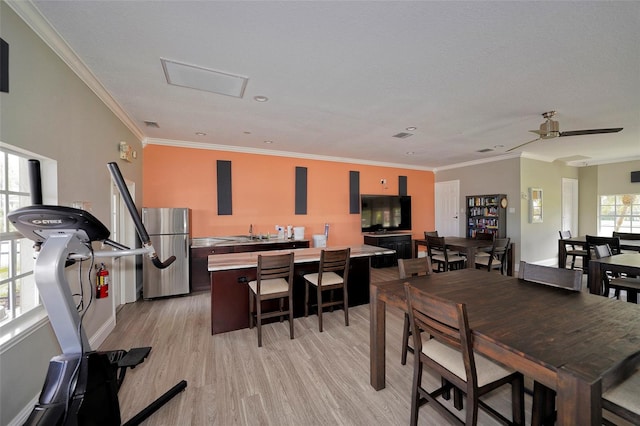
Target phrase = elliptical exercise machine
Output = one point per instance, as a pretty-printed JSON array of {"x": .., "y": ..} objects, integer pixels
[{"x": 81, "y": 387}]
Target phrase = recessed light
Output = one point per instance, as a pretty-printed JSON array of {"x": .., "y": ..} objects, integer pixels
[
  {"x": 247, "y": 133},
  {"x": 411, "y": 129},
  {"x": 498, "y": 146},
  {"x": 152, "y": 124},
  {"x": 260, "y": 98},
  {"x": 201, "y": 134},
  {"x": 410, "y": 152},
  {"x": 268, "y": 141}
]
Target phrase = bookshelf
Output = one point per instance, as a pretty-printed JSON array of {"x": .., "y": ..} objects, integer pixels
[{"x": 487, "y": 213}]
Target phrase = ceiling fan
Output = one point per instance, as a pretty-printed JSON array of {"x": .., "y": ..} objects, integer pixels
[{"x": 551, "y": 129}]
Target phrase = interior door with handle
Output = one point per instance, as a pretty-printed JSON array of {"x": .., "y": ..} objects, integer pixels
[{"x": 447, "y": 206}]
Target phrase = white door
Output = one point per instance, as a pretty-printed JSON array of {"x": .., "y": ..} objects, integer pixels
[
  {"x": 447, "y": 204},
  {"x": 570, "y": 205},
  {"x": 123, "y": 231}
]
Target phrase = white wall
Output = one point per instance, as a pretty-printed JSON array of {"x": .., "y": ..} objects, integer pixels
[{"x": 50, "y": 111}]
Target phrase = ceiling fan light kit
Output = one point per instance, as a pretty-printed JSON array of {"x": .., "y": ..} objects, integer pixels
[{"x": 551, "y": 129}]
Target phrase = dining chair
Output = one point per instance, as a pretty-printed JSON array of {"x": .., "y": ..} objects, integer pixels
[
  {"x": 548, "y": 275},
  {"x": 274, "y": 280},
  {"x": 438, "y": 253},
  {"x": 593, "y": 240},
  {"x": 449, "y": 352},
  {"x": 621, "y": 386},
  {"x": 631, "y": 285},
  {"x": 543, "y": 409},
  {"x": 627, "y": 236},
  {"x": 572, "y": 251},
  {"x": 411, "y": 268},
  {"x": 485, "y": 236},
  {"x": 332, "y": 275},
  {"x": 435, "y": 234},
  {"x": 497, "y": 258}
]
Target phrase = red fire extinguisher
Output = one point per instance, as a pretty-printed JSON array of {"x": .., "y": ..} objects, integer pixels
[{"x": 102, "y": 282}]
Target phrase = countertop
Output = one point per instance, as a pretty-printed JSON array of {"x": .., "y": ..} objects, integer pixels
[
  {"x": 236, "y": 241},
  {"x": 222, "y": 262}
]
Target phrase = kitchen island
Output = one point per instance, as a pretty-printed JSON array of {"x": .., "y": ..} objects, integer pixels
[
  {"x": 202, "y": 248},
  {"x": 230, "y": 273}
]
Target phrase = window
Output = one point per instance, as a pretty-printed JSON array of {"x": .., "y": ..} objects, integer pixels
[
  {"x": 620, "y": 213},
  {"x": 18, "y": 292}
]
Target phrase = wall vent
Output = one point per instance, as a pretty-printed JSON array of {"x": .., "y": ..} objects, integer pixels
[{"x": 402, "y": 135}]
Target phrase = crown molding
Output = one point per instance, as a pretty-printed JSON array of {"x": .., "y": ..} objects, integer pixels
[
  {"x": 30, "y": 14},
  {"x": 479, "y": 161},
  {"x": 245, "y": 150}
]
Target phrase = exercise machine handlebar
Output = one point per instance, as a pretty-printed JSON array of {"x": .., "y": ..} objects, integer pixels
[{"x": 142, "y": 231}]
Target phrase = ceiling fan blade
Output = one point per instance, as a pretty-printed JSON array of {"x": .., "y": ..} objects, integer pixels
[
  {"x": 522, "y": 144},
  {"x": 590, "y": 132}
]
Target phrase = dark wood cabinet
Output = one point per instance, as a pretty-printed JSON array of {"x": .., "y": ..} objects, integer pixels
[
  {"x": 199, "y": 259},
  {"x": 401, "y": 243}
]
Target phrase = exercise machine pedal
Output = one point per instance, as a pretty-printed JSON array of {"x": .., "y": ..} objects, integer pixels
[{"x": 134, "y": 357}]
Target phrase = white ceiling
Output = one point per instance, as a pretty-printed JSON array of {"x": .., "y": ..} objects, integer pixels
[{"x": 343, "y": 77}]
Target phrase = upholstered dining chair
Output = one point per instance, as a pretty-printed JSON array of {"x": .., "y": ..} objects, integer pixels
[
  {"x": 332, "y": 275},
  {"x": 438, "y": 253},
  {"x": 621, "y": 389},
  {"x": 449, "y": 353},
  {"x": 411, "y": 268},
  {"x": 543, "y": 409},
  {"x": 274, "y": 280},
  {"x": 485, "y": 236},
  {"x": 497, "y": 258},
  {"x": 573, "y": 251}
]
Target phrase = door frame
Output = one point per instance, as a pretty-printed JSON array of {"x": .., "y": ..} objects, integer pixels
[
  {"x": 570, "y": 205},
  {"x": 124, "y": 280}
]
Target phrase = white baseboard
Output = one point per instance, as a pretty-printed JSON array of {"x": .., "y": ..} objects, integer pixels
[
  {"x": 23, "y": 415},
  {"x": 103, "y": 332}
]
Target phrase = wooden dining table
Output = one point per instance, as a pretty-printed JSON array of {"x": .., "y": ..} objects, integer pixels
[
  {"x": 624, "y": 263},
  {"x": 581, "y": 241},
  {"x": 565, "y": 340},
  {"x": 469, "y": 247}
]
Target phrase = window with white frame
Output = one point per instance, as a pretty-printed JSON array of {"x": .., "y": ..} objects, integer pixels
[
  {"x": 18, "y": 291},
  {"x": 619, "y": 213}
]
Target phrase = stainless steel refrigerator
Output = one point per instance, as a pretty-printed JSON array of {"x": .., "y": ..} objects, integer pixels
[{"x": 169, "y": 231}]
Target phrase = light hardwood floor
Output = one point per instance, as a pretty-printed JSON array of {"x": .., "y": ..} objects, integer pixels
[{"x": 315, "y": 379}]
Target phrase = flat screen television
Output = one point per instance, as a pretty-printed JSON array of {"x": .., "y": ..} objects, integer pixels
[{"x": 382, "y": 213}]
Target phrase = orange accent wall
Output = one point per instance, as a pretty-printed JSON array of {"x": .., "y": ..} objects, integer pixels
[{"x": 263, "y": 192}]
